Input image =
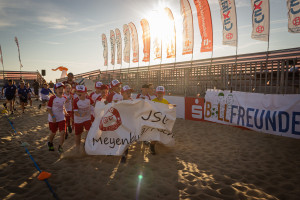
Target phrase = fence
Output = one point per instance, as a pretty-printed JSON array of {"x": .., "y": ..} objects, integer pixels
[
  {"x": 275, "y": 72},
  {"x": 27, "y": 76}
]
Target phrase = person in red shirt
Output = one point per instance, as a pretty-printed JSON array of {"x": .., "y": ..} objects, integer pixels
[
  {"x": 115, "y": 95},
  {"x": 104, "y": 93},
  {"x": 144, "y": 94},
  {"x": 56, "y": 116},
  {"x": 82, "y": 113}
]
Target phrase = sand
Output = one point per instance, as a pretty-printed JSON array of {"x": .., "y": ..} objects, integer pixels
[{"x": 209, "y": 161}]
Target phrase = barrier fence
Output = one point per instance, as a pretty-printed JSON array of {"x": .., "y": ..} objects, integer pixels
[
  {"x": 27, "y": 76},
  {"x": 274, "y": 72}
]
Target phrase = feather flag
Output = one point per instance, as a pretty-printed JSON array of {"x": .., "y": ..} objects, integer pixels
[
  {"x": 146, "y": 40},
  {"x": 112, "y": 46},
  {"x": 293, "y": 15},
  {"x": 63, "y": 70},
  {"x": 205, "y": 25},
  {"x": 17, "y": 42},
  {"x": 171, "y": 35},
  {"x": 188, "y": 27},
  {"x": 126, "y": 43},
  {"x": 119, "y": 46},
  {"x": 260, "y": 20},
  {"x": 228, "y": 17},
  {"x": 135, "y": 42},
  {"x": 1, "y": 55},
  {"x": 105, "y": 50}
]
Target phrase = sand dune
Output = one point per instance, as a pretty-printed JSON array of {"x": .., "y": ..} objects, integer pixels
[{"x": 209, "y": 161}]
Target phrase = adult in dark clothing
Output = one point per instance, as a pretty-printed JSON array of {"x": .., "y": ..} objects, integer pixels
[{"x": 36, "y": 87}]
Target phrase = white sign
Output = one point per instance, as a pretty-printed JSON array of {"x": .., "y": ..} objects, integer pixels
[
  {"x": 269, "y": 113},
  {"x": 118, "y": 125}
]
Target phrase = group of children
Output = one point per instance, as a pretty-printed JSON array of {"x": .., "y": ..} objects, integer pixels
[
  {"x": 73, "y": 108},
  {"x": 23, "y": 91}
]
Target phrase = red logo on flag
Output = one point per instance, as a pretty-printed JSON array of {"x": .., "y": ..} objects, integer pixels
[
  {"x": 111, "y": 120},
  {"x": 296, "y": 21},
  {"x": 229, "y": 36},
  {"x": 260, "y": 29}
]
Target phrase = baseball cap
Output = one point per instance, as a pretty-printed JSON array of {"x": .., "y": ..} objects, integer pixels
[
  {"x": 98, "y": 84},
  {"x": 126, "y": 88},
  {"x": 115, "y": 83},
  {"x": 104, "y": 87},
  {"x": 160, "y": 89},
  {"x": 58, "y": 85},
  {"x": 81, "y": 88}
]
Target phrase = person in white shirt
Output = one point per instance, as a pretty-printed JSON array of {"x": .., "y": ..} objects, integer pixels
[
  {"x": 144, "y": 94},
  {"x": 94, "y": 95},
  {"x": 115, "y": 94},
  {"x": 151, "y": 91},
  {"x": 82, "y": 113},
  {"x": 126, "y": 92},
  {"x": 56, "y": 116}
]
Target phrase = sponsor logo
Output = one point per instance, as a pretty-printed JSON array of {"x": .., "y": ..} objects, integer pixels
[
  {"x": 295, "y": 8},
  {"x": 111, "y": 120},
  {"x": 258, "y": 14},
  {"x": 229, "y": 36},
  {"x": 226, "y": 9},
  {"x": 260, "y": 29},
  {"x": 296, "y": 21}
]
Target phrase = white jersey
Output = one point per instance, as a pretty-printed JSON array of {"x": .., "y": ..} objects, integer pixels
[
  {"x": 68, "y": 104},
  {"x": 152, "y": 96},
  {"x": 83, "y": 107},
  {"x": 94, "y": 96},
  {"x": 114, "y": 97},
  {"x": 141, "y": 96},
  {"x": 57, "y": 104}
]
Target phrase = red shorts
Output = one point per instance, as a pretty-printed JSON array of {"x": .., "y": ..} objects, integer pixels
[
  {"x": 61, "y": 126},
  {"x": 79, "y": 127},
  {"x": 69, "y": 117}
]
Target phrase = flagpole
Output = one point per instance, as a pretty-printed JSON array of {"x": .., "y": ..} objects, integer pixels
[{"x": 2, "y": 62}]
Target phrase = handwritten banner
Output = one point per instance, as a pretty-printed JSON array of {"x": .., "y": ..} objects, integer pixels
[{"x": 118, "y": 125}]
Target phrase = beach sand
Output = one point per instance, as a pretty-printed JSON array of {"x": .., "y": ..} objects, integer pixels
[{"x": 209, "y": 161}]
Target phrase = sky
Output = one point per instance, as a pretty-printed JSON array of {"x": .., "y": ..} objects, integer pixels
[{"x": 67, "y": 33}]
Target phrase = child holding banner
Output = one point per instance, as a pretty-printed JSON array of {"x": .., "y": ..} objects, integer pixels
[
  {"x": 151, "y": 91},
  {"x": 115, "y": 92},
  {"x": 144, "y": 94},
  {"x": 82, "y": 113},
  {"x": 56, "y": 116},
  {"x": 104, "y": 92},
  {"x": 126, "y": 92}
]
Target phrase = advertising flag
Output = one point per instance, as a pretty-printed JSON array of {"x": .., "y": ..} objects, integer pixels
[
  {"x": 170, "y": 36},
  {"x": 188, "y": 27},
  {"x": 228, "y": 17},
  {"x": 293, "y": 15},
  {"x": 105, "y": 50},
  {"x": 112, "y": 46},
  {"x": 146, "y": 40},
  {"x": 205, "y": 25},
  {"x": 135, "y": 42},
  {"x": 119, "y": 46},
  {"x": 17, "y": 42},
  {"x": 260, "y": 20},
  {"x": 126, "y": 43}
]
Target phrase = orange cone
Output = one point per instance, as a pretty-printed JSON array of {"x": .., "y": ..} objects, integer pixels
[{"x": 44, "y": 175}]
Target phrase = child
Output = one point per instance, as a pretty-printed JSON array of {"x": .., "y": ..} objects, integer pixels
[
  {"x": 82, "y": 113},
  {"x": 29, "y": 93},
  {"x": 23, "y": 95},
  {"x": 144, "y": 94},
  {"x": 69, "y": 108},
  {"x": 104, "y": 92},
  {"x": 95, "y": 95},
  {"x": 10, "y": 92},
  {"x": 160, "y": 90},
  {"x": 45, "y": 95},
  {"x": 115, "y": 92},
  {"x": 56, "y": 116},
  {"x": 151, "y": 91},
  {"x": 126, "y": 92}
]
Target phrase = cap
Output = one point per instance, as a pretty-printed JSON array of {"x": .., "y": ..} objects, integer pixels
[
  {"x": 126, "y": 88},
  {"x": 115, "y": 83},
  {"x": 98, "y": 84},
  {"x": 81, "y": 88},
  {"x": 58, "y": 85},
  {"x": 160, "y": 89},
  {"x": 104, "y": 87}
]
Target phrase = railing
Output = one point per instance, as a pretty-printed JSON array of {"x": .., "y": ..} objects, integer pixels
[
  {"x": 27, "y": 76},
  {"x": 277, "y": 72}
]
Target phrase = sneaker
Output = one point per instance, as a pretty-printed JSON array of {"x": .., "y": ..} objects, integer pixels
[
  {"x": 60, "y": 149},
  {"x": 50, "y": 145},
  {"x": 40, "y": 106},
  {"x": 152, "y": 149},
  {"x": 70, "y": 129},
  {"x": 66, "y": 135}
]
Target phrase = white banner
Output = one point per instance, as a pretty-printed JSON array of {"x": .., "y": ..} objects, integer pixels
[
  {"x": 112, "y": 46},
  {"x": 260, "y": 20},
  {"x": 269, "y": 113},
  {"x": 105, "y": 49},
  {"x": 294, "y": 15},
  {"x": 228, "y": 17},
  {"x": 118, "y": 125},
  {"x": 126, "y": 50}
]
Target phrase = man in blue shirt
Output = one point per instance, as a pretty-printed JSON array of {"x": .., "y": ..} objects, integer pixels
[
  {"x": 10, "y": 93},
  {"x": 23, "y": 94}
]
